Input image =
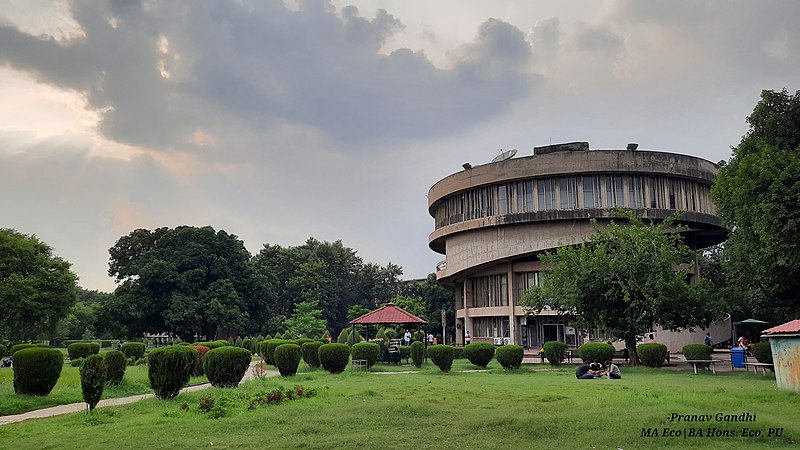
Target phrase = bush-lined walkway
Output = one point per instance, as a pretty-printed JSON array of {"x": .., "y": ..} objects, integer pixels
[{"x": 251, "y": 373}]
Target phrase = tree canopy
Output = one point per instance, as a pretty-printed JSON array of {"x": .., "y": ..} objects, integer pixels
[
  {"x": 626, "y": 279},
  {"x": 37, "y": 288},
  {"x": 757, "y": 195},
  {"x": 186, "y": 280}
]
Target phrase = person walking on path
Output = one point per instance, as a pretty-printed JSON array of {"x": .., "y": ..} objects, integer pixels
[{"x": 707, "y": 339}]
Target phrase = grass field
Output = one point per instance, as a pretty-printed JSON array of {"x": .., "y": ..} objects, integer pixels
[{"x": 535, "y": 407}]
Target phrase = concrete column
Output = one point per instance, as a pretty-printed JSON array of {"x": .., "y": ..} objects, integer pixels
[
  {"x": 512, "y": 320},
  {"x": 467, "y": 292}
]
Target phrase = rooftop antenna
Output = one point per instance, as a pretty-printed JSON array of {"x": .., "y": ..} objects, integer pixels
[{"x": 505, "y": 154}]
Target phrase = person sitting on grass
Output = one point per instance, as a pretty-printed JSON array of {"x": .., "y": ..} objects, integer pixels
[
  {"x": 584, "y": 372},
  {"x": 612, "y": 371},
  {"x": 596, "y": 369}
]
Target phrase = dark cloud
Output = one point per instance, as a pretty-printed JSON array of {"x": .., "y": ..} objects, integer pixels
[{"x": 162, "y": 70}]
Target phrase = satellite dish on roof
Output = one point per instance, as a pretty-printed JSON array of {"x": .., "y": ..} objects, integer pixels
[{"x": 505, "y": 154}]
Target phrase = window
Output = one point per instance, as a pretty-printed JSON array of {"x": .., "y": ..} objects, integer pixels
[
  {"x": 568, "y": 193},
  {"x": 636, "y": 191},
  {"x": 547, "y": 194},
  {"x": 615, "y": 195},
  {"x": 490, "y": 327},
  {"x": 672, "y": 194},
  {"x": 524, "y": 281},
  {"x": 591, "y": 192},
  {"x": 489, "y": 291},
  {"x": 524, "y": 196},
  {"x": 502, "y": 199}
]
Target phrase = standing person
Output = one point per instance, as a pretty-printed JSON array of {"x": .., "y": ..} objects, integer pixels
[
  {"x": 467, "y": 338},
  {"x": 430, "y": 338},
  {"x": 407, "y": 338},
  {"x": 612, "y": 371},
  {"x": 707, "y": 339}
]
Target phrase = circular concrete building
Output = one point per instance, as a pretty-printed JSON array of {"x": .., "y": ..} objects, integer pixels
[{"x": 493, "y": 220}]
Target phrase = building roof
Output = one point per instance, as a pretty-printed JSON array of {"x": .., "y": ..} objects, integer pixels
[
  {"x": 388, "y": 314},
  {"x": 788, "y": 327}
]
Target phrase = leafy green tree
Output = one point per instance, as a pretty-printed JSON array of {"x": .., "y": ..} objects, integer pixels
[
  {"x": 436, "y": 299},
  {"x": 626, "y": 279},
  {"x": 187, "y": 280},
  {"x": 412, "y": 305},
  {"x": 37, "y": 288},
  {"x": 306, "y": 320},
  {"x": 757, "y": 194}
]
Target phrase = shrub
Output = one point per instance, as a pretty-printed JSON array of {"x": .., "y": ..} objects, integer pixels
[
  {"x": 311, "y": 353},
  {"x": 248, "y": 344},
  {"x": 170, "y": 368},
  {"x": 287, "y": 358},
  {"x": 442, "y": 356},
  {"x": 417, "y": 353},
  {"x": 458, "y": 353},
  {"x": 596, "y": 351},
  {"x": 418, "y": 336},
  {"x": 334, "y": 357},
  {"x": 354, "y": 338},
  {"x": 654, "y": 355},
  {"x": 342, "y": 337},
  {"x": 381, "y": 334},
  {"x": 238, "y": 342},
  {"x": 36, "y": 370},
  {"x": 510, "y": 356},
  {"x": 115, "y": 364},
  {"x": 479, "y": 353},
  {"x": 18, "y": 347},
  {"x": 269, "y": 349},
  {"x": 3, "y": 351},
  {"x": 82, "y": 349},
  {"x": 133, "y": 349},
  {"x": 214, "y": 344},
  {"x": 225, "y": 366},
  {"x": 405, "y": 351},
  {"x": 391, "y": 333},
  {"x": 201, "y": 353},
  {"x": 76, "y": 362},
  {"x": 694, "y": 351},
  {"x": 301, "y": 341},
  {"x": 366, "y": 350},
  {"x": 555, "y": 351},
  {"x": 762, "y": 352},
  {"x": 93, "y": 379}
]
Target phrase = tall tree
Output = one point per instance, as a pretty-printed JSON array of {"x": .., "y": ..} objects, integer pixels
[
  {"x": 623, "y": 281},
  {"x": 186, "y": 280},
  {"x": 757, "y": 194},
  {"x": 436, "y": 299},
  {"x": 306, "y": 321},
  {"x": 37, "y": 288}
]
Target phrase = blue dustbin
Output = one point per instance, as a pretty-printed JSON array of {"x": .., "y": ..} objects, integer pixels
[{"x": 737, "y": 357}]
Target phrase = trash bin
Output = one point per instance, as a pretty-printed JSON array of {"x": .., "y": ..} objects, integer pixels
[{"x": 737, "y": 357}]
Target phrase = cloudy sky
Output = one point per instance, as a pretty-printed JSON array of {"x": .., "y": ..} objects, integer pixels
[{"x": 281, "y": 120}]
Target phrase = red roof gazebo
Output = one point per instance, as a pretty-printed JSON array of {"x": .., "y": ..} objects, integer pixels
[{"x": 389, "y": 314}]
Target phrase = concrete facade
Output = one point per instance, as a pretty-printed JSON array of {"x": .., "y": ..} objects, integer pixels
[{"x": 493, "y": 220}]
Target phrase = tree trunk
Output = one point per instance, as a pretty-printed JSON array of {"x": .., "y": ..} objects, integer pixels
[{"x": 630, "y": 344}]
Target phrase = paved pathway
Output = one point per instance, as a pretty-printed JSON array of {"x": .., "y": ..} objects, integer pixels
[{"x": 78, "y": 407}]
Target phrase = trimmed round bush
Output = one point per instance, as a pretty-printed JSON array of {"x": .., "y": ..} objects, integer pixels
[
  {"x": 555, "y": 351},
  {"x": 82, "y": 349},
  {"x": 214, "y": 344},
  {"x": 417, "y": 353},
  {"x": 238, "y": 342},
  {"x": 442, "y": 356},
  {"x": 93, "y": 379},
  {"x": 479, "y": 353},
  {"x": 342, "y": 339},
  {"x": 654, "y": 355},
  {"x": 334, "y": 357},
  {"x": 302, "y": 340},
  {"x": 269, "y": 349},
  {"x": 762, "y": 352},
  {"x": 248, "y": 344},
  {"x": 287, "y": 358},
  {"x": 3, "y": 351},
  {"x": 115, "y": 363},
  {"x": 458, "y": 353},
  {"x": 201, "y": 353},
  {"x": 311, "y": 353},
  {"x": 596, "y": 351},
  {"x": 225, "y": 366},
  {"x": 510, "y": 356},
  {"x": 366, "y": 350},
  {"x": 169, "y": 369},
  {"x": 36, "y": 370},
  {"x": 695, "y": 351},
  {"x": 133, "y": 349},
  {"x": 18, "y": 347}
]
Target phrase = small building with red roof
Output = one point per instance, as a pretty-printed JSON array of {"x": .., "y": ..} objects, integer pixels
[{"x": 784, "y": 341}]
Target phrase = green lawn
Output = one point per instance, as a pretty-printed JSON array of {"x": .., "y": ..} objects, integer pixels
[{"x": 535, "y": 407}]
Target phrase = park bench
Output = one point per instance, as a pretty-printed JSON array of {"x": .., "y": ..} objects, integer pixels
[
  {"x": 360, "y": 364},
  {"x": 710, "y": 362},
  {"x": 757, "y": 365}
]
